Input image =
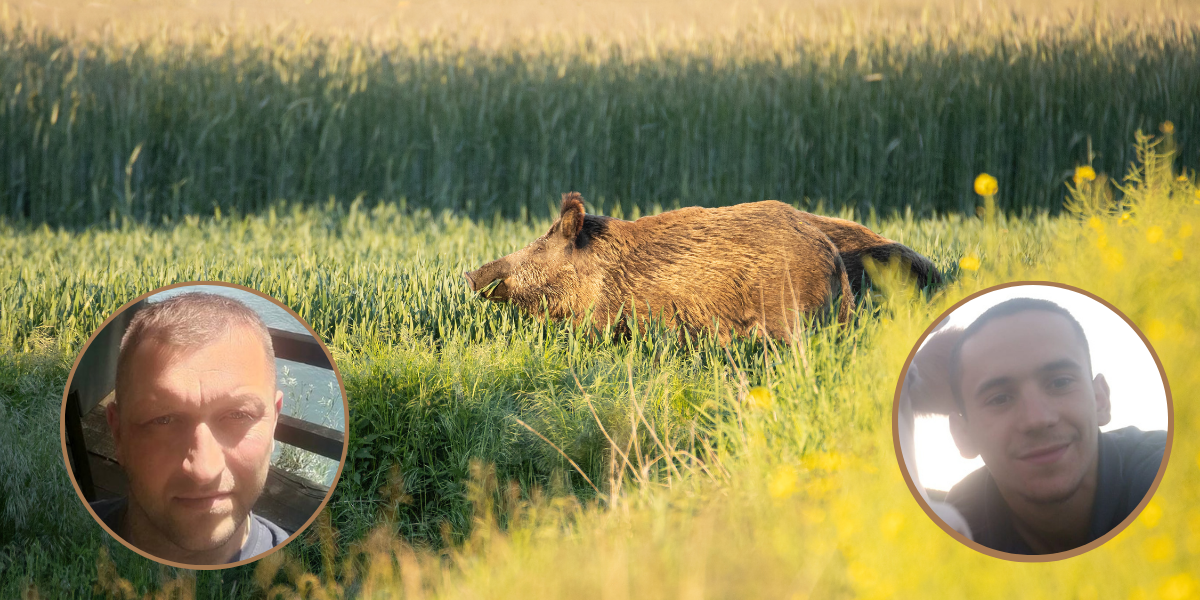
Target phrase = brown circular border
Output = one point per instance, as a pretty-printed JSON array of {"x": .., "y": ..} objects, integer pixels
[
  {"x": 62, "y": 431},
  {"x": 1032, "y": 558}
]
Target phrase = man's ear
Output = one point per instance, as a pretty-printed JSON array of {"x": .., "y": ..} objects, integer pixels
[
  {"x": 114, "y": 424},
  {"x": 571, "y": 215},
  {"x": 1103, "y": 400},
  {"x": 278, "y": 411},
  {"x": 962, "y": 437}
]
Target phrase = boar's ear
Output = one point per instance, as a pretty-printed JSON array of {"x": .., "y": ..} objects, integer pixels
[{"x": 571, "y": 217}]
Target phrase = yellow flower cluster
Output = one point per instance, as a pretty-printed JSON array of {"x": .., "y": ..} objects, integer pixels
[
  {"x": 969, "y": 262},
  {"x": 985, "y": 185},
  {"x": 1084, "y": 173},
  {"x": 783, "y": 482},
  {"x": 759, "y": 398}
]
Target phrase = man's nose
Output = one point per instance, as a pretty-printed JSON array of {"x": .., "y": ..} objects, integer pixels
[
  {"x": 205, "y": 460},
  {"x": 1037, "y": 410}
]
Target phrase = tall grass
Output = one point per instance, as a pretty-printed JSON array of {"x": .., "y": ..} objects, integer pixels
[
  {"x": 881, "y": 115},
  {"x": 767, "y": 494},
  {"x": 780, "y": 514}
]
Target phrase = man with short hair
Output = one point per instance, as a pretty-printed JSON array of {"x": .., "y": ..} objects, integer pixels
[
  {"x": 193, "y": 422},
  {"x": 1029, "y": 405}
]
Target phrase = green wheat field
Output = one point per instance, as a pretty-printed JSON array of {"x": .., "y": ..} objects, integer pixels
[{"x": 355, "y": 173}]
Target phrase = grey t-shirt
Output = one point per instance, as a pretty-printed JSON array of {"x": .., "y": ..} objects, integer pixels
[{"x": 264, "y": 534}]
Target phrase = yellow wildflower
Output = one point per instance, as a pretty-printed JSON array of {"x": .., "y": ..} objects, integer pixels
[
  {"x": 1159, "y": 548},
  {"x": 1096, "y": 223},
  {"x": 1084, "y": 173},
  {"x": 891, "y": 524},
  {"x": 759, "y": 397},
  {"x": 1155, "y": 330},
  {"x": 782, "y": 483},
  {"x": 1154, "y": 235},
  {"x": 969, "y": 262},
  {"x": 1177, "y": 255},
  {"x": 1185, "y": 231},
  {"x": 1181, "y": 178},
  {"x": 1125, "y": 218},
  {"x": 1179, "y": 587},
  {"x": 985, "y": 185},
  {"x": 1167, "y": 127},
  {"x": 1113, "y": 259}
]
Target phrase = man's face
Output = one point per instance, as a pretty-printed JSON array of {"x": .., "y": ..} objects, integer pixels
[
  {"x": 194, "y": 431},
  {"x": 1032, "y": 409}
]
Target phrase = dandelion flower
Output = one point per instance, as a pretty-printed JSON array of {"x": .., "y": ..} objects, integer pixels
[
  {"x": 1125, "y": 218},
  {"x": 1167, "y": 127},
  {"x": 1096, "y": 223},
  {"x": 985, "y": 185},
  {"x": 969, "y": 262},
  {"x": 759, "y": 397},
  {"x": 1084, "y": 173},
  {"x": 1181, "y": 178},
  {"x": 1177, "y": 255},
  {"x": 1154, "y": 235},
  {"x": 1185, "y": 231}
]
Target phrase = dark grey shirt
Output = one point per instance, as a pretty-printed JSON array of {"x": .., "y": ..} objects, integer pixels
[
  {"x": 1129, "y": 461},
  {"x": 264, "y": 534}
]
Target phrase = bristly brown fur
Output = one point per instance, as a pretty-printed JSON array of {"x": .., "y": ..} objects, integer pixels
[{"x": 756, "y": 265}]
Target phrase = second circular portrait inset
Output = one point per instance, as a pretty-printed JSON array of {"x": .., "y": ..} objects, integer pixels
[
  {"x": 204, "y": 425},
  {"x": 1033, "y": 421}
]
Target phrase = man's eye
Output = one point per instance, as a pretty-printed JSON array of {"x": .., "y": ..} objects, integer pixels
[
  {"x": 162, "y": 421},
  {"x": 239, "y": 415},
  {"x": 997, "y": 400},
  {"x": 1062, "y": 382}
]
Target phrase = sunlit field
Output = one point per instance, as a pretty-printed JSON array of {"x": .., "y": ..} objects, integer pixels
[
  {"x": 355, "y": 176},
  {"x": 865, "y": 112}
]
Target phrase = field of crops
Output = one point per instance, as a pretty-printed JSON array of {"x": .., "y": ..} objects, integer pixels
[
  {"x": 884, "y": 115},
  {"x": 355, "y": 181}
]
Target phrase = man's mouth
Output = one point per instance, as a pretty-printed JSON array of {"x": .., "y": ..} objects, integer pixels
[
  {"x": 204, "y": 500},
  {"x": 1043, "y": 455}
]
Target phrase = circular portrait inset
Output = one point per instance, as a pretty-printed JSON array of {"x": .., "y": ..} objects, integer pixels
[
  {"x": 204, "y": 425},
  {"x": 1032, "y": 421}
]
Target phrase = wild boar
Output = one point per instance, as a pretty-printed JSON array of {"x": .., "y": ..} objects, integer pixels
[
  {"x": 751, "y": 265},
  {"x": 855, "y": 242}
]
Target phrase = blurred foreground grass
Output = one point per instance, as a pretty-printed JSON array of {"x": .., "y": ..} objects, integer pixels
[{"x": 795, "y": 493}]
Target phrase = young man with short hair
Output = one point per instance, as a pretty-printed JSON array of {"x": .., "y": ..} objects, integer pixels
[{"x": 1030, "y": 406}]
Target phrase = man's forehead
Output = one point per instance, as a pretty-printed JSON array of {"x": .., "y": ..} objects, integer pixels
[
  {"x": 231, "y": 366},
  {"x": 1028, "y": 338}
]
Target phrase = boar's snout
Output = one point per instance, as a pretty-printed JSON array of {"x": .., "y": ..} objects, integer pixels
[{"x": 481, "y": 280}]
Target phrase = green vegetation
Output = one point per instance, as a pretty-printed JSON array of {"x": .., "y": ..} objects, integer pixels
[
  {"x": 768, "y": 492},
  {"x": 900, "y": 113},
  {"x": 747, "y": 471}
]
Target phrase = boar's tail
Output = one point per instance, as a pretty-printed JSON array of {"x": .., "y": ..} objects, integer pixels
[
  {"x": 926, "y": 274},
  {"x": 923, "y": 270},
  {"x": 839, "y": 281}
]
